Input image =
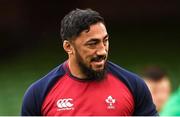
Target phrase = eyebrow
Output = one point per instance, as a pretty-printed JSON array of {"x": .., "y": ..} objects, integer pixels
[
  {"x": 107, "y": 36},
  {"x": 95, "y": 39}
]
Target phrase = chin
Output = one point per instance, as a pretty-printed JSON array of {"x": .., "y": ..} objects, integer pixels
[
  {"x": 102, "y": 68},
  {"x": 98, "y": 69}
]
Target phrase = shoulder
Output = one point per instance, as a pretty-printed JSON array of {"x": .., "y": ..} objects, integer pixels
[
  {"x": 129, "y": 78},
  {"x": 142, "y": 97},
  {"x": 35, "y": 94},
  {"x": 48, "y": 80}
]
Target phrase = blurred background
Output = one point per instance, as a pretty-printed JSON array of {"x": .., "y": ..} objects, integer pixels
[{"x": 141, "y": 33}]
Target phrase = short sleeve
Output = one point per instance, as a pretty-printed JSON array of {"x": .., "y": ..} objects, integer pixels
[
  {"x": 30, "y": 106},
  {"x": 144, "y": 105}
]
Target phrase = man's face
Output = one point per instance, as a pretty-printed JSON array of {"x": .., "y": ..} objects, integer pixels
[
  {"x": 160, "y": 91},
  {"x": 91, "y": 49}
]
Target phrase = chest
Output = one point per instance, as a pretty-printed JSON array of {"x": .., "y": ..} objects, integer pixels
[{"x": 69, "y": 97}]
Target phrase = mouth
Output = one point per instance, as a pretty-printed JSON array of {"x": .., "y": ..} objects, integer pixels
[
  {"x": 98, "y": 58},
  {"x": 99, "y": 61}
]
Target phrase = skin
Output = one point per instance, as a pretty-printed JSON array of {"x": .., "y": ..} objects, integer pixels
[
  {"x": 160, "y": 91},
  {"x": 87, "y": 46}
]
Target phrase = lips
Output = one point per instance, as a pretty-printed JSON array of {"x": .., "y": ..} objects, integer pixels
[
  {"x": 98, "y": 59},
  {"x": 98, "y": 65},
  {"x": 100, "y": 62}
]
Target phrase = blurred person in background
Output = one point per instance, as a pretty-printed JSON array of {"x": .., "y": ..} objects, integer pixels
[
  {"x": 87, "y": 84},
  {"x": 159, "y": 84},
  {"x": 172, "y": 107}
]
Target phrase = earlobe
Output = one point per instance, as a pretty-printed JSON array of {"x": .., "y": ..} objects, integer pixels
[{"x": 67, "y": 47}]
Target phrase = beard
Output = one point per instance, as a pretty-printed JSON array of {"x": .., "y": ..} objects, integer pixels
[{"x": 88, "y": 71}]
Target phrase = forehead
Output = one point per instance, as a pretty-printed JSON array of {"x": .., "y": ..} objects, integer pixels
[{"x": 96, "y": 31}]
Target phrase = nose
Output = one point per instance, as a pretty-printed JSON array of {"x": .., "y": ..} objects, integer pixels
[{"x": 102, "y": 50}]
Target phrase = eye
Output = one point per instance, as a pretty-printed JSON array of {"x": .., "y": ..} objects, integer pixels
[
  {"x": 106, "y": 41},
  {"x": 92, "y": 43}
]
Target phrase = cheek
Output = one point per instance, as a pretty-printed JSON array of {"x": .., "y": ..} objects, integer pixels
[
  {"x": 87, "y": 55},
  {"x": 82, "y": 56}
]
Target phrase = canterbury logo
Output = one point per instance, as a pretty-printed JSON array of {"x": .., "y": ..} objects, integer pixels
[{"x": 65, "y": 104}]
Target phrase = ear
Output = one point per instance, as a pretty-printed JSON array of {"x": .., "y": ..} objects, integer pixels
[{"x": 67, "y": 47}]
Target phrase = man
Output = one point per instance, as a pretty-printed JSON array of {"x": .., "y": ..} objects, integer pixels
[
  {"x": 159, "y": 85},
  {"x": 87, "y": 84},
  {"x": 172, "y": 106}
]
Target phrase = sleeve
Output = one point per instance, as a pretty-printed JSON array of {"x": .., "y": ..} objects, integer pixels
[
  {"x": 144, "y": 105},
  {"x": 35, "y": 94},
  {"x": 30, "y": 104}
]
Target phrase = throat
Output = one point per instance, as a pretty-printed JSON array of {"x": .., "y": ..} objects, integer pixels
[{"x": 75, "y": 71}]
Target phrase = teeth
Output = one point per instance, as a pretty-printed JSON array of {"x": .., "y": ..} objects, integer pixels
[{"x": 99, "y": 60}]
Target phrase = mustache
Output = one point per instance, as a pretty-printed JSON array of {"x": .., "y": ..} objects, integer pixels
[{"x": 99, "y": 58}]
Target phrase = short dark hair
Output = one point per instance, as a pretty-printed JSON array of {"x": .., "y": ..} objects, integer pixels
[
  {"x": 77, "y": 21},
  {"x": 154, "y": 73}
]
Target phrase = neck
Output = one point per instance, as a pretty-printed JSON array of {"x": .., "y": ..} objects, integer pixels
[{"x": 75, "y": 70}]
